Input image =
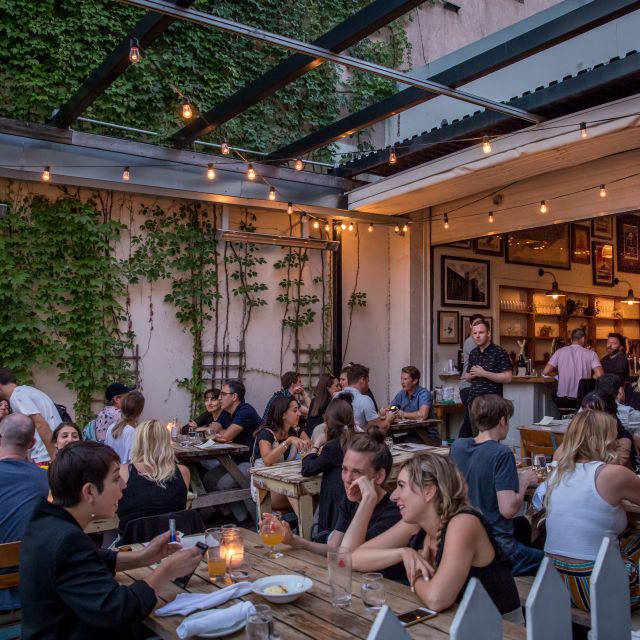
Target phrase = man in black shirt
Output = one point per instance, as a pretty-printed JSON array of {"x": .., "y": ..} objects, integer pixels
[
  {"x": 616, "y": 359},
  {"x": 489, "y": 366}
]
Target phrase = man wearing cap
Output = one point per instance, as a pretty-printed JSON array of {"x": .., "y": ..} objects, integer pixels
[{"x": 111, "y": 412}]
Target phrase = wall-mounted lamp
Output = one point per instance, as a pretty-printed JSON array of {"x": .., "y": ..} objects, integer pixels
[
  {"x": 554, "y": 292},
  {"x": 630, "y": 299}
]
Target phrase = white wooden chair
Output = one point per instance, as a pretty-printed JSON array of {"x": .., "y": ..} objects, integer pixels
[
  {"x": 476, "y": 612},
  {"x": 386, "y": 626}
]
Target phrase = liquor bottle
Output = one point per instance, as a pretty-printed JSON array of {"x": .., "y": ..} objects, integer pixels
[{"x": 522, "y": 366}]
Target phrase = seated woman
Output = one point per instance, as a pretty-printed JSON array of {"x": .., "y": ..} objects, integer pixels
[
  {"x": 120, "y": 434},
  {"x": 65, "y": 433},
  {"x": 156, "y": 483},
  {"x": 441, "y": 540},
  {"x": 326, "y": 457},
  {"x": 277, "y": 441},
  {"x": 327, "y": 386},
  {"x": 67, "y": 583},
  {"x": 213, "y": 413},
  {"x": 583, "y": 503}
]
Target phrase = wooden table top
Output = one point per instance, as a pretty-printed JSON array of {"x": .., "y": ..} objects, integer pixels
[
  {"x": 553, "y": 428},
  {"x": 191, "y": 453},
  {"x": 312, "y": 615},
  {"x": 400, "y": 425}
]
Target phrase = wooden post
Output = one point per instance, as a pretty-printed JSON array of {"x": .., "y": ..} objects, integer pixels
[{"x": 476, "y": 612}]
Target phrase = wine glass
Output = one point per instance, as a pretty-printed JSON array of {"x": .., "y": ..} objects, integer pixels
[{"x": 272, "y": 534}]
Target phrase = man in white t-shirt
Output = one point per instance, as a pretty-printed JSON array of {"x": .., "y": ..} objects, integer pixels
[{"x": 32, "y": 402}]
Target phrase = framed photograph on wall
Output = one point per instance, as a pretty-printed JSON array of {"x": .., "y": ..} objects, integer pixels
[
  {"x": 461, "y": 244},
  {"x": 464, "y": 282},
  {"x": 580, "y": 244},
  {"x": 628, "y": 243},
  {"x": 541, "y": 247},
  {"x": 602, "y": 228},
  {"x": 489, "y": 245},
  {"x": 602, "y": 264},
  {"x": 465, "y": 327},
  {"x": 448, "y": 327}
]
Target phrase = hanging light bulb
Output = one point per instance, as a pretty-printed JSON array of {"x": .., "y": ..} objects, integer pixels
[
  {"x": 543, "y": 206},
  {"x": 490, "y": 216},
  {"x": 337, "y": 228},
  {"x": 583, "y": 130},
  {"x": 224, "y": 147},
  {"x": 405, "y": 228},
  {"x": 299, "y": 165},
  {"x": 351, "y": 226},
  {"x": 396, "y": 229},
  {"x": 290, "y": 208},
  {"x": 211, "y": 172},
  {"x": 316, "y": 224},
  {"x": 370, "y": 228},
  {"x": 272, "y": 193},
  {"x": 603, "y": 191},
  {"x": 486, "y": 144},
  {"x": 393, "y": 158},
  {"x": 126, "y": 174},
  {"x": 303, "y": 217},
  {"x": 187, "y": 111},
  {"x": 343, "y": 226},
  {"x": 251, "y": 172},
  {"x": 327, "y": 228},
  {"x": 446, "y": 220},
  {"x": 46, "y": 174},
  {"x": 134, "y": 50}
]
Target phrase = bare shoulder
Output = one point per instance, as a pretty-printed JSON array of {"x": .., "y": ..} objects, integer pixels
[{"x": 465, "y": 524}]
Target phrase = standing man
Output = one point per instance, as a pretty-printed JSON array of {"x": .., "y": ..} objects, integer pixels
[
  {"x": 572, "y": 363},
  {"x": 489, "y": 367},
  {"x": 291, "y": 387},
  {"x": 465, "y": 386},
  {"x": 32, "y": 402},
  {"x": 616, "y": 359}
]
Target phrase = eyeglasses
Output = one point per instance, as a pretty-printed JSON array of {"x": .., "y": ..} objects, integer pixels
[{"x": 227, "y": 393}]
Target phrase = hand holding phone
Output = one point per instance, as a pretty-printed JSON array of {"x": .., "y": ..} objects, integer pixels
[{"x": 184, "y": 580}]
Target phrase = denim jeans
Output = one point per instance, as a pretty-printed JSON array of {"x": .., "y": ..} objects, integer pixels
[{"x": 525, "y": 560}]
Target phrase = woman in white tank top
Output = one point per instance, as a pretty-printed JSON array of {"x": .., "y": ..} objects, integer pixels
[{"x": 583, "y": 504}]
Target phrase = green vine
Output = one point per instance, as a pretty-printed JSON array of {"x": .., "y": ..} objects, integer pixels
[{"x": 357, "y": 298}]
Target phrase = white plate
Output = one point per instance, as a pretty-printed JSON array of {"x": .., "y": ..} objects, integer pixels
[
  {"x": 221, "y": 632},
  {"x": 296, "y": 586}
]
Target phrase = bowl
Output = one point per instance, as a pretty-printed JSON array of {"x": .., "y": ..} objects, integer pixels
[{"x": 295, "y": 586}]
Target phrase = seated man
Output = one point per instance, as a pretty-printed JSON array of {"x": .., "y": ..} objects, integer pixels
[
  {"x": 22, "y": 483},
  {"x": 291, "y": 386},
  {"x": 494, "y": 486}
]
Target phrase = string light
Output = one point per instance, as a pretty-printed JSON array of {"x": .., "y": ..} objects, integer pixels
[
  {"x": 316, "y": 224},
  {"x": 370, "y": 228},
  {"x": 187, "y": 111},
  {"x": 486, "y": 144},
  {"x": 134, "y": 50},
  {"x": 543, "y": 207},
  {"x": 343, "y": 226},
  {"x": 490, "y": 216},
  {"x": 126, "y": 174},
  {"x": 290, "y": 208},
  {"x": 251, "y": 172},
  {"x": 299, "y": 165},
  {"x": 603, "y": 191},
  {"x": 396, "y": 229},
  {"x": 224, "y": 147},
  {"x": 327, "y": 228},
  {"x": 46, "y": 174},
  {"x": 303, "y": 217},
  {"x": 351, "y": 226},
  {"x": 446, "y": 221},
  {"x": 393, "y": 158},
  {"x": 272, "y": 193},
  {"x": 337, "y": 228},
  {"x": 583, "y": 130},
  {"x": 405, "y": 228},
  {"x": 211, "y": 172}
]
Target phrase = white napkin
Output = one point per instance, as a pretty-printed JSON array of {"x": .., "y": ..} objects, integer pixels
[
  {"x": 210, "y": 444},
  {"x": 186, "y": 603},
  {"x": 217, "y": 620}
]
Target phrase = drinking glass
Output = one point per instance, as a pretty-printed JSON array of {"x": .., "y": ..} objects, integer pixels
[
  {"x": 372, "y": 591},
  {"x": 540, "y": 464},
  {"x": 239, "y": 567},
  {"x": 339, "y": 565},
  {"x": 216, "y": 564},
  {"x": 389, "y": 442},
  {"x": 272, "y": 534},
  {"x": 212, "y": 537},
  {"x": 260, "y": 623}
]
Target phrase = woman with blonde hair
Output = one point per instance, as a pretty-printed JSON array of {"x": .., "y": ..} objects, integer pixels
[
  {"x": 583, "y": 502},
  {"x": 120, "y": 434},
  {"x": 441, "y": 540},
  {"x": 156, "y": 483}
]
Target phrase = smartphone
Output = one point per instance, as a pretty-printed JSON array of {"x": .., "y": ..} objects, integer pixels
[
  {"x": 184, "y": 581},
  {"x": 393, "y": 407},
  {"x": 417, "y": 615}
]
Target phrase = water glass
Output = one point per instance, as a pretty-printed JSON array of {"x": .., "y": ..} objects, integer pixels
[
  {"x": 239, "y": 567},
  {"x": 339, "y": 565},
  {"x": 212, "y": 537},
  {"x": 259, "y": 623},
  {"x": 372, "y": 591}
]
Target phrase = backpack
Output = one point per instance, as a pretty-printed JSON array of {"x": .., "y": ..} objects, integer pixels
[
  {"x": 64, "y": 414},
  {"x": 89, "y": 431}
]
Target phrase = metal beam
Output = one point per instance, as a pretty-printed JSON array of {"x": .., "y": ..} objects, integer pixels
[
  {"x": 149, "y": 28},
  {"x": 358, "y": 26},
  {"x": 494, "y": 56},
  {"x": 208, "y": 20}
]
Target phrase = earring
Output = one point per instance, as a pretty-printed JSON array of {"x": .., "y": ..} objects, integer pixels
[{"x": 93, "y": 515}]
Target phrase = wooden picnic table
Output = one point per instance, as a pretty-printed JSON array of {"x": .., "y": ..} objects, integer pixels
[
  {"x": 442, "y": 411},
  {"x": 312, "y": 615},
  {"x": 222, "y": 452},
  {"x": 419, "y": 427},
  {"x": 286, "y": 478}
]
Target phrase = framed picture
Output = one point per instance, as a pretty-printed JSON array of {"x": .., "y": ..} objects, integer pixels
[
  {"x": 602, "y": 228},
  {"x": 540, "y": 247},
  {"x": 628, "y": 243},
  {"x": 465, "y": 327},
  {"x": 489, "y": 245},
  {"x": 461, "y": 244},
  {"x": 602, "y": 264},
  {"x": 580, "y": 244},
  {"x": 464, "y": 282},
  {"x": 448, "y": 327}
]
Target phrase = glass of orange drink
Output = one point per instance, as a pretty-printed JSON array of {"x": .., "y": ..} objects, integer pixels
[
  {"x": 216, "y": 564},
  {"x": 272, "y": 534}
]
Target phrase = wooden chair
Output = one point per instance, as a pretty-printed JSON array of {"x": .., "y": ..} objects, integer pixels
[
  {"x": 9, "y": 558},
  {"x": 534, "y": 441}
]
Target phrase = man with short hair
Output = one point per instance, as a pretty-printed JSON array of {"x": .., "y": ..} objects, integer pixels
[
  {"x": 37, "y": 404},
  {"x": 572, "y": 363},
  {"x": 465, "y": 386},
  {"x": 22, "y": 483},
  {"x": 491, "y": 474},
  {"x": 291, "y": 387},
  {"x": 616, "y": 359},
  {"x": 111, "y": 411}
]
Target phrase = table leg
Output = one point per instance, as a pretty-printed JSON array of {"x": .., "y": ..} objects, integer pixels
[
  {"x": 264, "y": 502},
  {"x": 303, "y": 507},
  {"x": 196, "y": 481},
  {"x": 524, "y": 452},
  {"x": 232, "y": 469}
]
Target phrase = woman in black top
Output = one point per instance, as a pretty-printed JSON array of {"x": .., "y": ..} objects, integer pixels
[
  {"x": 327, "y": 386},
  {"x": 213, "y": 413},
  {"x": 326, "y": 458},
  {"x": 67, "y": 584},
  {"x": 441, "y": 540}
]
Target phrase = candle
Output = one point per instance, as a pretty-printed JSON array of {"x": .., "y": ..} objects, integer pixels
[{"x": 232, "y": 545}]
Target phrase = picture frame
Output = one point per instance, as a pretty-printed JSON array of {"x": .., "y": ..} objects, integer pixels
[
  {"x": 460, "y": 244},
  {"x": 580, "y": 244},
  {"x": 489, "y": 245},
  {"x": 602, "y": 227},
  {"x": 465, "y": 327},
  {"x": 448, "y": 327},
  {"x": 465, "y": 282},
  {"x": 628, "y": 243},
  {"x": 540, "y": 247},
  {"x": 602, "y": 263}
]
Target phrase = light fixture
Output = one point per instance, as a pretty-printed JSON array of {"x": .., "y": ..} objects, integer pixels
[
  {"x": 327, "y": 227},
  {"x": 337, "y": 228},
  {"x": 603, "y": 191},
  {"x": 134, "y": 50},
  {"x": 290, "y": 208},
  {"x": 630, "y": 298},
  {"x": 554, "y": 292},
  {"x": 393, "y": 158},
  {"x": 187, "y": 111},
  {"x": 224, "y": 147},
  {"x": 490, "y": 216},
  {"x": 251, "y": 172},
  {"x": 446, "y": 221},
  {"x": 126, "y": 174},
  {"x": 405, "y": 228},
  {"x": 343, "y": 226},
  {"x": 272, "y": 193},
  {"x": 299, "y": 165},
  {"x": 486, "y": 144},
  {"x": 46, "y": 174},
  {"x": 211, "y": 172},
  {"x": 316, "y": 224},
  {"x": 370, "y": 228},
  {"x": 583, "y": 130},
  {"x": 607, "y": 251},
  {"x": 231, "y": 235},
  {"x": 351, "y": 226},
  {"x": 543, "y": 206},
  {"x": 396, "y": 229},
  {"x": 303, "y": 217}
]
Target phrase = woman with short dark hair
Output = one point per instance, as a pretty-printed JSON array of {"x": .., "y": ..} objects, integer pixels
[
  {"x": 66, "y": 433},
  {"x": 67, "y": 584}
]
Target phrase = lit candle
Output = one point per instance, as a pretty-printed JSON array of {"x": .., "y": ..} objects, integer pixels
[{"x": 232, "y": 545}]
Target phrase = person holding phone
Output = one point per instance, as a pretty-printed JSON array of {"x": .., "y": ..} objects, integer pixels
[{"x": 67, "y": 584}]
